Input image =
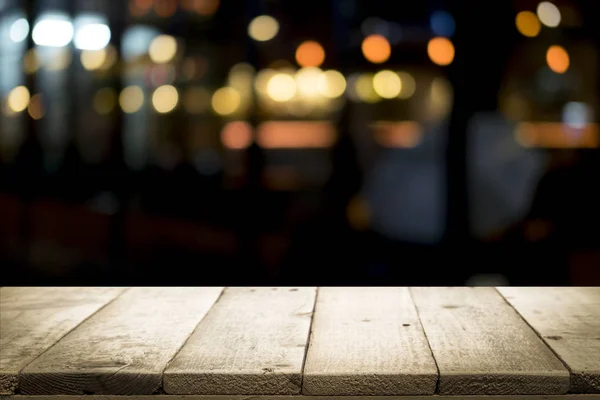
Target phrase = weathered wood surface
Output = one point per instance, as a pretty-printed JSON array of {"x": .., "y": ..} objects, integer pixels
[
  {"x": 32, "y": 319},
  {"x": 367, "y": 341},
  {"x": 301, "y": 397},
  {"x": 252, "y": 341},
  {"x": 482, "y": 346},
  {"x": 568, "y": 319},
  {"x": 122, "y": 349}
]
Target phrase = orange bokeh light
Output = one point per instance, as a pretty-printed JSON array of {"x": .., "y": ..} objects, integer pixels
[
  {"x": 310, "y": 54},
  {"x": 441, "y": 51},
  {"x": 376, "y": 49},
  {"x": 236, "y": 135},
  {"x": 558, "y": 59},
  {"x": 165, "y": 8}
]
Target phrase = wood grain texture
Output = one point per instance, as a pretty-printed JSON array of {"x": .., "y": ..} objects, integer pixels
[
  {"x": 283, "y": 397},
  {"x": 32, "y": 319},
  {"x": 367, "y": 341},
  {"x": 124, "y": 348},
  {"x": 482, "y": 346},
  {"x": 252, "y": 341},
  {"x": 568, "y": 319}
]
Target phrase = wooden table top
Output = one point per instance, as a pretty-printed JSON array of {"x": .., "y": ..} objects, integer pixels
[{"x": 280, "y": 341}]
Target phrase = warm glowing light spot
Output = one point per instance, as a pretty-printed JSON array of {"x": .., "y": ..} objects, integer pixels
[
  {"x": 548, "y": 14},
  {"x": 364, "y": 89},
  {"x": 281, "y": 87},
  {"x": 236, "y": 135},
  {"x": 162, "y": 49},
  {"x": 262, "y": 80},
  {"x": 387, "y": 84},
  {"x": 18, "y": 99},
  {"x": 196, "y": 100},
  {"x": 331, "y": 84},
  {"x": 296, "y": 134},
  {"x": 31, "y": 62},
  {"x": 263, "y": 28},
  {"x": 93, "y": 59},
  {"x": 61, "y": 60},
  {"x": 131, "y": 99},
  {"x": 226, "y": 101},
  {"x": 307, "y": 81},
  {"x": 528, "y": 24},
  {"x": 310, "y": 54},
  {"x": 105, "y": 101},
  {"x": 409, "y": 86},
  {"x": 558, "y": 59},
  {"x": 557, "y": 135},
  {"x": 206, "y": 7},
  {"x": 36, "y": 109},
  {"x": 111, "y": 58},
  {"x": 441, "y": 51},
  {"x": 397, "y": 134},
  {"x": 376, "y": 49},
  {"x": 165, "y": 8},
  {"x": 165, "y": 99}
]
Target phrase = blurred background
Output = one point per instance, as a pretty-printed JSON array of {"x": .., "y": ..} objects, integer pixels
[{"x": 315, "y": 141}]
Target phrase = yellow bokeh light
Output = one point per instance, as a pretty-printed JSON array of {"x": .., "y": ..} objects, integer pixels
[
  {"x": 310, "y": 54},
  {"x": 528, "y": 24},
  {"x": 441, "y": 51},
  {"x": 31, "y": 62},
  {"x": 165, "y": 99},
  {"x": 131, "y": 99},
  {"x": 93, "y": 59},
  {"x": 105, "y": 101},
  {"x": 196, "y": 100},
  {"x": 332, "y": 84},
  {"x": 281, "y": 87},
  {"x": 226, "y": 101},
  {"x": 262, "y": 80},
  {"x": 18, "y": 99},
  {"x": 409, "y": 86},
  {"x": 111, "y": 57},
  {"x": 61, "y": 60},
  {"x": 387, "y": 84},
  {"x": 558, "y": 59},
  {"x": 307, "y": 81},
  {"x": 376, "y": 49},
  {"x": 548, "y": 14},
  {"x": 364, "y": 89},
  {"x": 263, "y": 28},
  {"x": 162, "y": 49},
  {"x": 236, "y": 135},
  {"x": 36, "y": 108}
]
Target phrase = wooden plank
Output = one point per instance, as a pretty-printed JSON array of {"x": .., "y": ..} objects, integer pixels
[
  {"x": 124, "y": 348},
  {"x": 482, "y": 346},
  {"x": 284, "y": 397},
  {"x": 252, "y": 341},
  {"x": 32, "y": 319},
  {"x": 568, "y": 319},
  {"x": 367, "y": 341}
]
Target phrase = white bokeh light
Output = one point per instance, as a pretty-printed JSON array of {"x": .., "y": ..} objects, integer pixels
[
  {"x": 92, "y": 37},
  {"x": 53, "y": 30},
  {"x": 19, "y": 30}
]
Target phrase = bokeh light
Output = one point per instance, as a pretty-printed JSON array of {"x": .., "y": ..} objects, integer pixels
[
  {"x": 162, "y": 49},
  {"x": 364, "y": 90},
  {"x": 528, "y": 24},
  {"x": 53, "y": 31},
  {"x": 18, "y": 99},
  {"x": 165, "y": 99},
  {"x": 387, "y": 84},
  {"x": 206, "y": 7},
  {"x": 36, "y": 109},
  {"x": 281, "y": 87},
  {"x": 92, "y": 37},
  {"x": 376, "y": 49},
  {"x": 19, "y": 30},
  {"x": 165, "y": 8},
  {"x": 408, "y": 87},
  {"x": 93, "y": 59},
  {"x": 441, "y": 51},
  {"x": 558, "y": 59},
  {"x": 226, "y": 101},
  {"x": 442, "y": 24},
  {"x": 236, "y": 135},
  {"x": 307, "y": 81},
  {"x": 331, "y": 84},
  {"x": 310, "y": 54},
  {"x": 61, "y": 60},
  {"x": 131, "y": 99},
  {"x": 548, "y": 14},
  {"x": 31, "y": 61},
  {"x": 105, "y": 101},
  {"x": 263, "y": 28}
]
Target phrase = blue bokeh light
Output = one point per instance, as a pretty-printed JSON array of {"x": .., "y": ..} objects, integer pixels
[{"x": 442, "y": 24}]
